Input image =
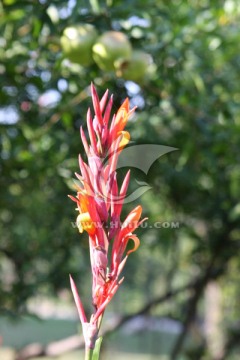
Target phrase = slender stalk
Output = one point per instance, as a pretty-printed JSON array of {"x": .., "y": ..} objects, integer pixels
[
  {"x": 100, "y": 320},
  {"x": 88, "y": 353}
]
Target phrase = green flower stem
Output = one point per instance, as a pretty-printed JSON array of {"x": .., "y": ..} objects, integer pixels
[{"x": 88, "y": 353}]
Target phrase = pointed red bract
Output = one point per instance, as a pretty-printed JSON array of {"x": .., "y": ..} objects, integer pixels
[{"x": 78, "y": 302}]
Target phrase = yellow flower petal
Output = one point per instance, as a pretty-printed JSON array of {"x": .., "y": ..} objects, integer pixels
[
  {"x": 125, "y": 139},
  {"x": 84, "y": 222}
]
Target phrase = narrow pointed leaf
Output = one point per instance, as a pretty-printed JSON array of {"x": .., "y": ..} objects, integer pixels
[{"x": 96, "y": 351}]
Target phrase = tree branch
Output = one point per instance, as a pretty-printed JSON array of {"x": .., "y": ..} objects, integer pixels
[{"x": 220, "y": 248}]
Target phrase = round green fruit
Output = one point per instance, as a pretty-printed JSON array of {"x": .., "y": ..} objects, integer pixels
[
  {"x": 111, "y": 49},
  {"x": 77, "y": 42},
  {"x": 136, "y": 69}
]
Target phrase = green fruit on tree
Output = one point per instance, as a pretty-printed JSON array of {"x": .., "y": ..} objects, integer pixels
[
  {"x": 111, "y": 49},
  {"x": 137, "y": 68},
  {"x": 77, "y": 42}
]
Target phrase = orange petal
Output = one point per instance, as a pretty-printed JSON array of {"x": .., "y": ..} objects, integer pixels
[
  {"x": 122, "y": 115},
  {"x": 132, "y": 219},
  {"x": 131, "y": 222},
  {"x": 136, "y": 243},
  {"x": 83, "y": 200}
]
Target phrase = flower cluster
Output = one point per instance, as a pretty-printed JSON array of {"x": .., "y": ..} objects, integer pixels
[{"x": 99, "y": 200}]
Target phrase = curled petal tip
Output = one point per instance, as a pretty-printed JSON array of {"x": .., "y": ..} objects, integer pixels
[{"x": 136, "y": 243}]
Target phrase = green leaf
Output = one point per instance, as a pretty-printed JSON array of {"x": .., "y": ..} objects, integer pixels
[{"x": 96, "y": 351}]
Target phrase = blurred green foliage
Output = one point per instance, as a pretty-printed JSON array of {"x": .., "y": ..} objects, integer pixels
[{"x": 191, "y": 103}]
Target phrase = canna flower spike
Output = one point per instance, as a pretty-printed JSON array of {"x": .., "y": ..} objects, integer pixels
[{"x": 99, "y": 205}]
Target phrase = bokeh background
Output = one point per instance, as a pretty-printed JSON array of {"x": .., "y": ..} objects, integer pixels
[{"x": 180, "y": 297}]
